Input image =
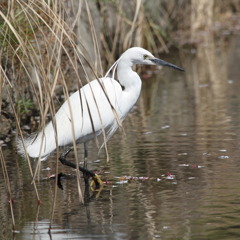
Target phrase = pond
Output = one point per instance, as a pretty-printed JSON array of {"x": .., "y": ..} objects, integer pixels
[{"x": 174, "y": 173}]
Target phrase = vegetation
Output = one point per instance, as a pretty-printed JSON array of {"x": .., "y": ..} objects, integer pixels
[{"x": 52, "y": 47}]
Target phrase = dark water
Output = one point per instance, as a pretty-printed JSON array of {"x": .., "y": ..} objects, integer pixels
[{"x": 180, "y": 149}]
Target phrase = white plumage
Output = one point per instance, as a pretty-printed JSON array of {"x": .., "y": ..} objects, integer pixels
[{"x": 93, "y": 107}]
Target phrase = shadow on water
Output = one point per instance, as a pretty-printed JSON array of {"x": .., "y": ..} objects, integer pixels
[{"x": 180, "y": 150}]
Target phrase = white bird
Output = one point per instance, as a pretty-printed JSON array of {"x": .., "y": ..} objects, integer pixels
[{"x": 98, "y": 106}]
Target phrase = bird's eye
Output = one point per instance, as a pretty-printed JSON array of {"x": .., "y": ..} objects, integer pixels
[{"x": 145, "y": 57}]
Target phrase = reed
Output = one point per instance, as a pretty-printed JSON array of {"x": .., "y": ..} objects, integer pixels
[
  {"x": 8, "y": 187},
  {"x": 36, "y": 43}
]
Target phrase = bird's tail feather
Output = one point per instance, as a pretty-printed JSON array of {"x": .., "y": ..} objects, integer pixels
[{"x": 37, "y": 145}]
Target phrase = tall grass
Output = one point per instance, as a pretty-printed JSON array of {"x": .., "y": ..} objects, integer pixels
[{"x": 36, "y": 45}]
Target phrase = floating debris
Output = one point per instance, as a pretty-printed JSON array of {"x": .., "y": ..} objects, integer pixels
[
  {"x": 117, "y": 180},
  {"x": 144, "y": 178},
  {"x": 128, "y": 179},
  {"x": 223, "y": 157},
  {"x": 165, "y": 227},
  {"x": 165, "y": 126},
  {"x": 122, "y": 182},
  {"x": 46, "y": 169},
  {"x": 183, "y": 165},
  {"x": 146, "y": 133},
  {"x": 169, "y": 176},
  {"x": 50, "y": 176},
  {"x": 107, "y": 182},
  {"x": 191, "y": 166},
  {"x": 97, "y": 161},
  {"x": 206, "y": 154},
  {"x": 182, "y": 154}
]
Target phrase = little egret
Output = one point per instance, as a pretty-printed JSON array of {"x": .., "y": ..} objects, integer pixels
[{"x": 96, "y": 109}]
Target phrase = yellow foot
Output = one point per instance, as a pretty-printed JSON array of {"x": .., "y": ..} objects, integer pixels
[{"x": 96, "y": 183}]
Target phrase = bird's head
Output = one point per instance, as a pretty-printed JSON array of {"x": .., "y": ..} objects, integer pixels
[{"x": 137, "y": 55}]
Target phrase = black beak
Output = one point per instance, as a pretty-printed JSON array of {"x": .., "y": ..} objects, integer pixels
[{"x": 165, "y": 64}]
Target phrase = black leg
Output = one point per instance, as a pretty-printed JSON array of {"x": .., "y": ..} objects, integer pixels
[
  {"x": 85, "y": 150},
  {"x": 85, "y": 171},
  {"x": 85, "y": 175},
  {"x": 59, "y": 183}
]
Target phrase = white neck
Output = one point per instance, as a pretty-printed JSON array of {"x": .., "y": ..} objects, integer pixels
[{"x": 127, "y": 77}]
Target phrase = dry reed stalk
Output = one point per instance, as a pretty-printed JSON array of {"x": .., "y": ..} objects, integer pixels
[
  {"x": 33, "y": 58},
  {"x": 95, "y": 42},
  {"x": 21, "y": 135},
  {"x": 74, "y": 46},
  {"x": 129, "y": 37},
  {"x": 8, "y": 187},
  {"x": 6, "y": 81}
]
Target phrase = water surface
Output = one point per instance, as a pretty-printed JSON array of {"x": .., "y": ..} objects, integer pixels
[{"x": 180, "y": 149}]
